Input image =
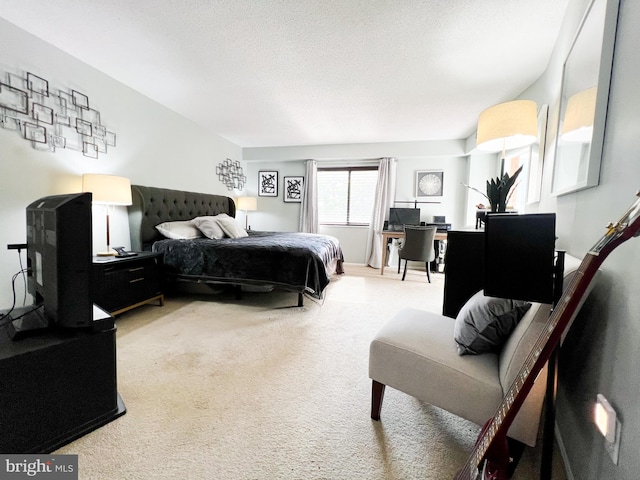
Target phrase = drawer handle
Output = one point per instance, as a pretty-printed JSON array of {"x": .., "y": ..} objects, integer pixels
[
  {"x": 136, "y": 269},
  {"x": 136, "y": 280}
]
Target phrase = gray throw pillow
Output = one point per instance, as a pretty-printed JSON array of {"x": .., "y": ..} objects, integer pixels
[
  {"x": 484, "y": 323},
  {"x": 209, "y": 226},
  {"x": 231, "y": 227}
]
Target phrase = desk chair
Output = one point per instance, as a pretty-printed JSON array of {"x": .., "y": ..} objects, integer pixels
[{"x": 417, "y": 246}]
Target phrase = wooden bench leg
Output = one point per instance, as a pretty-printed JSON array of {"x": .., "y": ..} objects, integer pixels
[{"x": 377, "y": 395}]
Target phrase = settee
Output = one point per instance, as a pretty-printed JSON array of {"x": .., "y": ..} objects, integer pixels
[{"x": 415, "y": 353}]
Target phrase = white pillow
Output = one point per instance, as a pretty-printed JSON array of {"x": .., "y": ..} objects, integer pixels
[
  {"x": 179, "y": 230},
  {"x": 231, "y": 227},
  {"x": 209, "y": 226}
]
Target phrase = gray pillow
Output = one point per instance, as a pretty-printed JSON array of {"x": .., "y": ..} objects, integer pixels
[
  {"x": 209, "y": 226},
  {"x": 231, "y": 227},
  {"x": 484, "y": 323}
]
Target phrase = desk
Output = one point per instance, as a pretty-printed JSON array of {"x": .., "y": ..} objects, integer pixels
[{"x": 387, "y": 234}]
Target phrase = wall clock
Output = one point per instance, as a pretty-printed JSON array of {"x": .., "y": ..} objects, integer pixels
[{"x": 429, "y": 183}]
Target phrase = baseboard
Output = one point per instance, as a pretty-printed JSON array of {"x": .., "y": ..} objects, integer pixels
[{"x": 563, "y": 454}]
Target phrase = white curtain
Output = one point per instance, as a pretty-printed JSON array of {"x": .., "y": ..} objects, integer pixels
[
  {"x": 385, "y": 196},
  {"x": 309, "y": 209}
]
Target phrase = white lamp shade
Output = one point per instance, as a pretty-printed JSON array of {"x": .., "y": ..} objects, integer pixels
[
  {"x": 108, "y": 189},
  {"x": 247, "y": 203},
  {"x": 579, "y": 116},
  {"x": 507, "y": 125}
]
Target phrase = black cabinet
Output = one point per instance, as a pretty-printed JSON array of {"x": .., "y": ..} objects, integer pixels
[
  {"x": 123, "y": 283},
  {"x": 464, "y": 269},
  {"x": 57, "y": 385}
]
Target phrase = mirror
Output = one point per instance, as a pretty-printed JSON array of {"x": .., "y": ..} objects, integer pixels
[{"x": 583, "y": 100}]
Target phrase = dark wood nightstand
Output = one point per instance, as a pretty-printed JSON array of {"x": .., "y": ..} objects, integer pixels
[{"x": 122, "y": 283}]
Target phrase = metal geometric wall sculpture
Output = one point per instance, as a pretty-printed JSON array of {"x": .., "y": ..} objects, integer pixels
[
  {"x": 51, "y": 120},
  {"x": 231, "y": 174}
]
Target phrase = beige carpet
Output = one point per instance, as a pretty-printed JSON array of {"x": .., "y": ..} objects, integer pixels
[{"x": 219, "y": 388}]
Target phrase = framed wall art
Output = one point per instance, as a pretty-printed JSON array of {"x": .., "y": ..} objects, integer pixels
[
  {"x": 268, "y": 183},
  {"x": 429, "y": 183},
  {"x": 293, "y": 189}
]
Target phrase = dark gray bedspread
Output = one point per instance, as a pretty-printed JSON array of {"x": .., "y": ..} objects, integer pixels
[{"x": 296, "y": 261}]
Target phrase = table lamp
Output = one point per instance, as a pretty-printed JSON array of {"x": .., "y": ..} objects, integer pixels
[
  {"x": 108, "y": 190},
  {"x": 247, "y": 204}
]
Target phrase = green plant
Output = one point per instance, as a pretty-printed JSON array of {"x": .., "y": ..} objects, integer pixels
[{"x": 499, "y": 190}]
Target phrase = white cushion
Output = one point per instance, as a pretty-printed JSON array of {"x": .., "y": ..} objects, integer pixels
[
  {"x": 415, "y": 352},
  {"x": 179, "y": 230}
]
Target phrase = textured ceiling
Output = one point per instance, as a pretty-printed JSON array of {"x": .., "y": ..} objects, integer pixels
[{"x": 295, "y": 72}]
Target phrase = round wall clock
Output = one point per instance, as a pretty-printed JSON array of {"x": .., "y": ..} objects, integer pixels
[{"x": 429, "y": 184}]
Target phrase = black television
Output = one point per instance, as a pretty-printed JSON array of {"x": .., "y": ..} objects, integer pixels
[
  {"x": 519, "y": 252},
  {"x": 398, "y": 217},
  {"x": 59, "y": 259}
]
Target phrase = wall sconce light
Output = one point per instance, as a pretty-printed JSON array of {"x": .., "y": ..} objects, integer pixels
[
  {"x": 579, "y": 116},
  {"x": 248, "y": 204},
  {"x": 507, "y": 126},
  {"x": 108, "y": 190},
  {"x": 605, "y": 418},
  {"x": 608, "y": 424}
]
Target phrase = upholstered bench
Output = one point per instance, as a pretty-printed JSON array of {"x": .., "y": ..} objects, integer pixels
[{"x": 415, "y": 353}]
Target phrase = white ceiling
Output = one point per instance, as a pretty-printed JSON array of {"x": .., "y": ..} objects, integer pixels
[{"x": 298, "y": 72}]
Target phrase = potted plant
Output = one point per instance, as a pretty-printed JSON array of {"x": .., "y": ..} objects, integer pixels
[{"x": 499, "y": 190}]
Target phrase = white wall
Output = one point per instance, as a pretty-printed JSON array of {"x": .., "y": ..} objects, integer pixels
[
  {"x": 600, "y": 354},
  {"x": 274, "y": 214},
  {"x": 154, "y": 146},
  {"x": 481, "y": 166}
]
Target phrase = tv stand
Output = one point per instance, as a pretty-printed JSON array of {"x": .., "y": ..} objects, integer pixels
[{"x": 57, "y": 385}]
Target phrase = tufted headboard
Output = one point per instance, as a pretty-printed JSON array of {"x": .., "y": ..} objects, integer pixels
[{"x": 152, "y": 205}]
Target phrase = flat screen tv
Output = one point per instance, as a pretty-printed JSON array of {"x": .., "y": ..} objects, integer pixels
[
  {"x": 398, "y": 217},
  {"x": 519, "y": 252},
  {"x": 59, "y": 258}
]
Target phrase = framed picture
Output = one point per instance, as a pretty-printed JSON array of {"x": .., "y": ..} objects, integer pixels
[
  {"x": 268, "y": 183},
  {"x": 293, "y": 189},
  {"x": 429, "y": 183}
]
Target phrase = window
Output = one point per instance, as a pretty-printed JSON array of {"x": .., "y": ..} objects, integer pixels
[{"x": 346, "y": 195}]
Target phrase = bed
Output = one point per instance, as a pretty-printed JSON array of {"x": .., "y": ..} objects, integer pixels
[{"x": 293, "y": 261}]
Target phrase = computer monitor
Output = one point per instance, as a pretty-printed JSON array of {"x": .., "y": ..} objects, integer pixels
[
  {"x": 519, "y": 253},
  {"x": 399, "y": 217}
]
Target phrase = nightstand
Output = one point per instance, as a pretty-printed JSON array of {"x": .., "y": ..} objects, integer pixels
[{"x": 122, "y": 283}]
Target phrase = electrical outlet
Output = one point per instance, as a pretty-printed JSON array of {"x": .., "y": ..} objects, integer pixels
[{"x": 613, "y": 448}]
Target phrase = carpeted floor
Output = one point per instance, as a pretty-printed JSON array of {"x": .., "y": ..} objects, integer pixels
[{"x": 219, "y": 388}]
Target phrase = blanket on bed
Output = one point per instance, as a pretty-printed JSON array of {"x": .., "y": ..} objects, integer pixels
[{"x": 296, "y": 261}]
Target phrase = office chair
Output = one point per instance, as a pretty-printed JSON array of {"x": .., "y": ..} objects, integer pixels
[{"x": 417, "y": 246}]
